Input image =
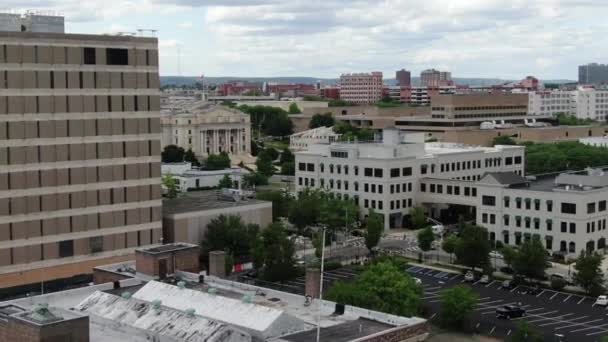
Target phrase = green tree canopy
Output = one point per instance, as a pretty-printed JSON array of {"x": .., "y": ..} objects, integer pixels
[
  {"x": 293, "y": 108},
  {"x": 286, "y": 156},
  {"x": 383, "y": 287},
  {"x": 228, "y": 233},
  {"x": 321, "y": 120},
  {"x": 264, "y": 163},
  {"x": 456, "y": 305},
  {"x": 425, "y": 238},
  {"x": 225, "y": 182},
  {"x": 306, "y": 209},
  {"x": 503, "y": 140},
  {"x": 474, "y": 247},
  {"x": 170, "y": 184},
  {"x": 508, "y": 254},
  {"x": 564, "y": 119},
  {"x": 339, "y": 103},
  {"x": 270, "y": 120},
  {"x": 255, "y": 179},
  {"x": 350, "y": 132},
  {"x": 172, "y": 154},
  {"x": 337, "y": 214},
  {"x": 523, "y": 333},
  {"x": 191, "y": 158},
  {"x": 449, "y": 244},
  {"x": 273, "y": 252},
  {"x": 374, "y": 226},
  {"x": 531, "y": 259},
  {"x": 288, "y": 168},
  {"x": 418, "y": 217},
  {"x": 562, "y": 156},
  {"x": 271, "y": 153},
  {"x": 281, "y": 201},
  {"x": 589, "y": 273},
  {"x": 217, "y": 161}
]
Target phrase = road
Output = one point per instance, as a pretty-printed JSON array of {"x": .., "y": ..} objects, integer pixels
[{"x": 558, "y": 316}]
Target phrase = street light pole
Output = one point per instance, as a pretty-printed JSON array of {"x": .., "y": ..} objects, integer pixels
[{"x": 320, "y": 287}]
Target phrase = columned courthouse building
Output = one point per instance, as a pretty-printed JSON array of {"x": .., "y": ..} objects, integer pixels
[{"x": 79, "y": 152}]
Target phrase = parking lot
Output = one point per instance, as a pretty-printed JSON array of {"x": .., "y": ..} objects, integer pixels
[{"x": 559, "y": 316}]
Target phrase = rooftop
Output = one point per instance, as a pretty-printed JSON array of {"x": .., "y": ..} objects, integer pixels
[
  {"x": 342, "y": 332},
  {"x": 166, "y": 248},
  {"x": 200, "y": 201}
]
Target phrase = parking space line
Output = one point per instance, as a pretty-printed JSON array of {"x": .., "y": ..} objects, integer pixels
[
  {"x": 588, "y": 328},
  {"x": 430, "y": 272},
  {"x": 582, "y": 323},
  {"x": 582, "y": 299},
  {"x": 534, "y": 310},
  {"x": 455, "y": 276},
  {"x": 488, "y": 303},
  {"x": 565, "y": 300},
  {"x": 537, "y": 319},
  {"x": 541, "y": 292},
  {"x": 560, "y": 320},
  {"x": 556, "y": 293},
  {"x": 492, "y": 282},
  {"x": 514, "y": 288},
  {"x": 603, "y": 331},
  {"x": 432, "y": 288}
]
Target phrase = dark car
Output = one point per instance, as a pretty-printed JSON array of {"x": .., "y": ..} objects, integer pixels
[
  {"x": 508, "y": 285},
  {"x": 529, "y": 290},
  {"x": 510, "y": 311}
]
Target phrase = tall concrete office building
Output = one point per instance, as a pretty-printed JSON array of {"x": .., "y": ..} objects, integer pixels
[
  {"x": 403, "y": 77},
  {"x": 593, "y": 73},
  {"x": 79, "y": 152}
]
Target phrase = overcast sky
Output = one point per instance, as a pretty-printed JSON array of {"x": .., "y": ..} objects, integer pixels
[{"x": 323, "y": 38}]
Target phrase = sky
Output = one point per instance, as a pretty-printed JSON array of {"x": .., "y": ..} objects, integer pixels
[{"x": 507, "y": 39}]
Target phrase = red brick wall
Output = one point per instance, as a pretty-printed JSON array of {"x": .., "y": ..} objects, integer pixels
[
  {"x": 75, "y": 330},
  {"x": 102, "y": 277}
]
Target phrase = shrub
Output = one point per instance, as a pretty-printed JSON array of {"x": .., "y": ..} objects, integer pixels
[{"x": 558, "y": 283}]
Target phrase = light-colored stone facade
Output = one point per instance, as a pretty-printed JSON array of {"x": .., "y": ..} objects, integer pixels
[
  {"x": 79, "y": 152},
  {"x": 361, "y": 88},
  {"x": 208, "y": 129}
]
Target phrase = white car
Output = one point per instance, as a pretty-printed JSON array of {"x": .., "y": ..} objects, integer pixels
[
  {"x": 417, "y": 281},
  {"x": 469, "y": 276},
  {"x": 495, "y": 254},
  {"x": 602, "y": 300}
]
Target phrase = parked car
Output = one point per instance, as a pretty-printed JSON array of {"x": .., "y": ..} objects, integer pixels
[
  {"x": 495, "y": 254},
  {"x": 602, "y": 300},
  {"x": 417, "y": 281},
  {"x": 485, "y": 279},
  {"x": 510, "y": 311},
  {"x": 469, "y": 276},
  {"x": 506, "y": 269},
  {"x": 529, "y": 290},
  {"x": 508, "y": 285}
]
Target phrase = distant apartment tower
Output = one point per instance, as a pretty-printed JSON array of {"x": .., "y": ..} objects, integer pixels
[
  {"x": 593, "y": 73},
  {"x": 79, "y": 152},
  {"x": 31, "y": 22},
  {"x": 403, "y": 78},
  {"x": 362, "y": 88},
  {"x": 435, "y": 78}
]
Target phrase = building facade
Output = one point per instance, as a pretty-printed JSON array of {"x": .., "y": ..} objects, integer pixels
[
  {"x": 403, "y": 77},
  {"x": 208, "y": 129},
  {"x": 550, "y": 102},
  {"x": 363, "y": 88},
  {"x": 79, "y": 152},
  {"x": 435, "y": 78},
  {"x": 385, "y": 176},
  {"x": 320, "y": 135},
  {"x": 592, "y": 73},
  {"x": 590, "y": 103}
]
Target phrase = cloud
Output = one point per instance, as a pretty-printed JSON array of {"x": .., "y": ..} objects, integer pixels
[{"x": 185, "y": 25}]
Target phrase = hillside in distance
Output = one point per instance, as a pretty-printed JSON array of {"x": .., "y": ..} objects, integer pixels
[{"x": 190, "y": 80}]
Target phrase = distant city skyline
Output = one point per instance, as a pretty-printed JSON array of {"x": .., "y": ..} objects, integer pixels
[{"x": 272, "y": 38}]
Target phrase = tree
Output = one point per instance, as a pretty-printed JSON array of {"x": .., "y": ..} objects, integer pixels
[
  {"x": 337, "y": 214},
  {"x": 418, "y": 217},
  {"x": 279, "y": 126},
  {"x": 288, "y": 168},
  {"x": 281, "y": 201},
  {"x": 339, "y": 103},
  {"x": 255, "y": 179},
  {"x": 531, "y": 259},
  {"x": 217, "y": 161},
  {"x": 225, "y": 182},
  {"x": 286, "y": 156},
  {"x": 383, "y": 287},
  {"x": 228, "y": 233},
  {"x": 523, "y": 333},
  {"x": 374, "y": 226},
  {"x": 293, "y": 108},
  {"x": 473, "y": 248},
  {"x": 425, "y": 239},
  {"x": 321, "y": 120},
  {"x": 564, "y": 119},
  {"x": 170, "y": 184},
  {"x": 264, "y": 164},
  {"x": 456, "y": 305},
  {"x": 172, "y": 154},
  {"x": 449, "y": 244},
  {"x": 273, "y": 250},
  {"x": 350, "y": 132},
  {"x": 508, "y": 255},
  {"x": 588, "y": 273},
  {"x": 564, "y": 155},
  {"x": 191, "y": 158},
  {"x": 272, "y": 153},
  {"x": 306, "y": 209},
  {"x": 269, "y": 120},
  {"x": 503, "y": 140}
]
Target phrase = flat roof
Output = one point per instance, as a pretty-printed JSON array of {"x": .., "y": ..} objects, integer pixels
[
  {"x": 170, "y": 247},
  {"x": 342, "y": 332},
  {"x": 200, "y": 201},
  {"x": 77, "y": 36}
]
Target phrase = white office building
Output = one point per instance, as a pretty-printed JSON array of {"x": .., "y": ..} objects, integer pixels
[
  {"x": 586, "y": 102},
  {"x": 590, "y": 103},
  {"x": 595, "y": 141},
  {"x": 320, "y": 135},
  {"x": 550, "y": 102},
  {"x": 385, "y": 176}
]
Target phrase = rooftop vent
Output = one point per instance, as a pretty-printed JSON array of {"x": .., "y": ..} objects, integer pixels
[
  {"x": 181, "y": 284},
  {"x": 190, "y": 312},
  {"x": 156, "y": 304},
  {"x": 126, "y": 295},
  {"x": 246, "y": 299},
  {"x": 212, "y": 291}
]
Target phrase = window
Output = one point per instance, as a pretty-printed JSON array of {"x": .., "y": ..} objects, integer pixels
[
  {"x": 474, "y": 192},
  {"x": 568, "y": 208},
  {"x": 572, "y": 228},
  {"x": 310, "y": 167},
  {"x": 449, "y": 189},
  {"x": 379, "y": 188},
  {"x": 432, "y": 188},
  {"x": 601, "y": 206},
  {"x": 356, "y": 170},
  {"x": 549, "y": 225},
  {"x": 406, "y": 171},
  {"x": 506, "y": 220},
  {"x": 536, "y": 223},
  {"x": 528, "y": 202},
  {"x": 457, "y": 190},
  {"x": 422, "y": 187},
  {"x": 339, "y": 154},
  {"x": 484, "y": 218},
  {"x": 488, "y": 200},
  {"x": 365, "y": 187},
  {"x": 439, "y": 188},
  {"x": 378, "y": 173},
  {"x": 368, "y": 172},
  {"x": 301, "y": 166},
  {"x": 394, "y": 172},
  {"x": 373, "y": 188},
  {"x": 506, "y": 201},
  {"x": 423, "y": 169},
  {"x": 89, "y": 55},
  {"x": 549, "y": 206},
  {"x": 467, "y": 191},
  {"x": 492, "y": 219},
  {"x": 564, "y": 227},
  {"x": 66, "y": 248},
  {"x": 117, "y": 56},
  {"x": 517, "y": 160},
  {"x": 591, "y": 208}
]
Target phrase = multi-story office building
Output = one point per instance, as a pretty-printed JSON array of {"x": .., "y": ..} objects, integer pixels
[
  {"x": 207, "y": 129},
  {"x": 590, "y": 103},
  {"x": 385, "y": 176},
  {"x": 361, "y": 88},
  {"x": 435, "y": 78},
  {"x": 320, "y": 135},
  {"x": 403, "y": 78},
  {"x": 31, "y": 22},
  {"x": 549, "y": 102},
  {"x": 79, "y": 152},
  {"x": 592, "y": 73}
]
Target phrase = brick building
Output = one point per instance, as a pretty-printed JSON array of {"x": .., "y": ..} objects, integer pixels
[
  {"x": 361, "y": 88},
  {"x": 79, "y": 152}
]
